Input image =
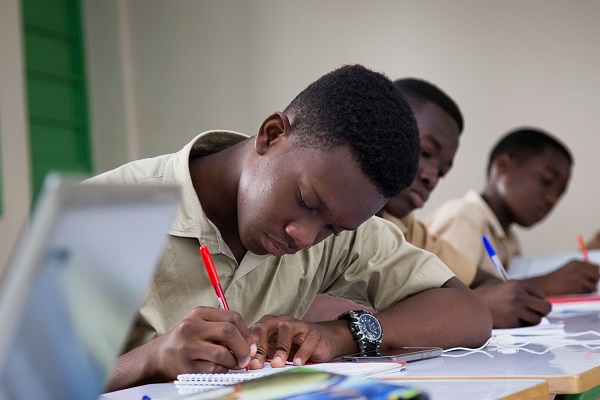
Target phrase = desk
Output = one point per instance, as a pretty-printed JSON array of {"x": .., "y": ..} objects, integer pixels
[
  {"x": 568, "y": 370},
  {"x": 499, "y": 389}
]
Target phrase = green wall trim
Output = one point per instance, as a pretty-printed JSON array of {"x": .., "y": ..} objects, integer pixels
[{"x": 59, "y": 138}]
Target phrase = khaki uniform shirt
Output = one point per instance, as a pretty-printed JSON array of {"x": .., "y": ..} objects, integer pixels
[
  {"x": 373, "y": 265},
  {"x": 417, "y": 234},
  {"x": 462, "y": 222}
]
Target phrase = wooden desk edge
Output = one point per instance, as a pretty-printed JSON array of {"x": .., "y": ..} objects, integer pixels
[
  {"x": 539, "y": 391},
  {"x": 560, "y": 384}
]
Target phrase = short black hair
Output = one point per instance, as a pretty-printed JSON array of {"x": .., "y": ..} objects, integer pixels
[
  {"x": 420, "y": 90},
  {"x": 356, "y": 107},
  {"x": 522, "y": 143}
]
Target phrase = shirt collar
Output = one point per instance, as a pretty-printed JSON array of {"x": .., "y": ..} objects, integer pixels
[
  {"x": 491, "y": 218},
  {"x": 191, "y": 220}
]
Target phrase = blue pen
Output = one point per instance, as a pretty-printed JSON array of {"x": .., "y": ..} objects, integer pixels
[{"x": 495, "y": 260}]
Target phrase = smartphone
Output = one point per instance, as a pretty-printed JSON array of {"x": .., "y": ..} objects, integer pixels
[{"x": 394, "y": 354}]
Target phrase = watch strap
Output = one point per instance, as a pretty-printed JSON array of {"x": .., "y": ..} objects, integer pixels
[{"x": 364, "y": 344}]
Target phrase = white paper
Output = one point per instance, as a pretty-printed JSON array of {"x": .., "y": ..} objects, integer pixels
[{"x": 544, "y": 328}]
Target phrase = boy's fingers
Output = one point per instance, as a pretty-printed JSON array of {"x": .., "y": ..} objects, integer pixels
[
  {"x": 283, "y": 345},
  {"x": 307, "y": 348}
]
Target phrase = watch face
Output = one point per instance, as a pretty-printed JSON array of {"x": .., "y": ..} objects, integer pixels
[{"x": 370, "y": 327}]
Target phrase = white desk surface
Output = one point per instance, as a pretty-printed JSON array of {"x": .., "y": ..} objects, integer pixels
[
  {"x": 522, "y": 375},
  {"x": 499, "y": 389},
  {"x": 568, "y": 369}
]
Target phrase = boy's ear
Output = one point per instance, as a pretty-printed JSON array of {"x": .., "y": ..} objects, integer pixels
[
  {"x": 504, "y": 163},
  {"x": 273, "y": 128}
]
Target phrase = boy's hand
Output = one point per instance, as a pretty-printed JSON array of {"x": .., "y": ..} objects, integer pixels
[
  {"x": 514, "y": 303},
  {"x": 208, "y": 340},
  {"x": 284, "y": 338},
  {"x": 573, "y": 278}
]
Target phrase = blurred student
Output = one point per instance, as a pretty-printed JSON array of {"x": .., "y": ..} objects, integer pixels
[
  {"x": 287, "y": 215},
  {"x": 528, "y": 171},
  {"x": 440, "y": 124}
]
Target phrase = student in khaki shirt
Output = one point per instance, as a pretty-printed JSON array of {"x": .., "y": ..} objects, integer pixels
[
  {"x": 284, "y": 214},
  {"x": 528, "y": 171},
  {"x": 440, "y": 124}
]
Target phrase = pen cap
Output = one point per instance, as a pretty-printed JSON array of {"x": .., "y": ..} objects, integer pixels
[
  {"x": 488, "y": 246},
  {"x": 209, "y": 265}
]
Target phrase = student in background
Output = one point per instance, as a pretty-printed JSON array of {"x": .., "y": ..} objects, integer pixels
[
  {"x": 440, "y": 124},
  {"x": 528, "y": 171},
  {"x": 286, "y": 215}
]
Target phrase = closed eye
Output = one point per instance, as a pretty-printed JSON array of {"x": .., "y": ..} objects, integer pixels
[
  {"x": 546, "y": 182},
  {"x": 302, "y": 202}
]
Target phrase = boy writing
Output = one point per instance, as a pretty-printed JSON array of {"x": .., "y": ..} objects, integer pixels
[
  {"x": 283, "y": 214},
  {"x": 440, "y": 124},
  {"x": 528, "y": 171}
]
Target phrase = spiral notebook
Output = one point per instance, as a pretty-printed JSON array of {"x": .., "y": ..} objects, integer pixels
[{"x": 363, "y": 370}]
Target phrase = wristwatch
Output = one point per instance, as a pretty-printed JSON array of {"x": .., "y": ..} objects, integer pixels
[{"x": 365, "y": 328}]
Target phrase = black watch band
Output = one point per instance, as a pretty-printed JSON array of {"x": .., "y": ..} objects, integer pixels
[{"x": 365, "y": 329}]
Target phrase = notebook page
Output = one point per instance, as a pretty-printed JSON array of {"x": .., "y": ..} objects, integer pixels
[
  {"x": 364, "y": 370},
  {"x": 544, "y": 328}
]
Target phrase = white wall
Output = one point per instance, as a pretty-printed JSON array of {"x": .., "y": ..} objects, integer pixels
[
  {"x": 166, "y": 70},
  {"x": 13, "y": 131}
]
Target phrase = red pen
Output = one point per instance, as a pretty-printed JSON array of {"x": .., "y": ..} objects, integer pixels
[
  {"x": 214, "y": 279},
  {"x": 213, "y": 276},
  {"x": 583, "y": 248}
]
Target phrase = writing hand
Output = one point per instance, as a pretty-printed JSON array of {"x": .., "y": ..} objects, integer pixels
[
  {"x": 573, "y": 278},
  {"x": 514, "y": 303},
  {"x": 208, "y": 340}
]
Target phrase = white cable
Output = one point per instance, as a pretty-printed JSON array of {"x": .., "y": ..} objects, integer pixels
[
  {"x": 507, "y": 344},
  {"x": 470, "y": 350}
]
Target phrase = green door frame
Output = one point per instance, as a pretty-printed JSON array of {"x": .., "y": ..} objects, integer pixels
[{"x": 59, "y": 138}]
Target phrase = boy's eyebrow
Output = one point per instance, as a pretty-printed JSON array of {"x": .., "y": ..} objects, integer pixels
[
  {"x": 436, "y": 143},
  {"x": 553, "y": 171},
  {"x": 326, "y": 208}
]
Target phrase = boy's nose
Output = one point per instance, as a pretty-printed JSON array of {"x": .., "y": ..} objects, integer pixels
[
  {"x": 303, "y": 234},
  {"x": 429, "y": 176}
]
